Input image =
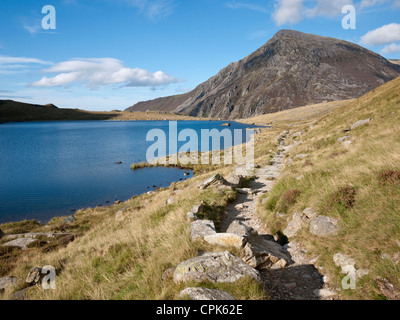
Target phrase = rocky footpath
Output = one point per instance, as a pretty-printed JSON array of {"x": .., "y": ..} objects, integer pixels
[{"x": 283, "y": 270}]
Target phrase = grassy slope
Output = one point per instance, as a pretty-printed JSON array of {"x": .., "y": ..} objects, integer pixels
[
  {"x": 370, "y": 229},
  {"x": 12, "y": 111},
  {"x": 126, "y": 259}
]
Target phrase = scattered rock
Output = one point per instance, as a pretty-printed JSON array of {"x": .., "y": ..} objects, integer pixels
[
  {"x": 342, "y": 260},
  {"x": 225, "y": 240},
  {"x": 20, "y": 295},
  {"x": 344, "y": 139},
  {"x": 239, "y": 206},
  {"x": 202, "y": 294},
  {"x": 117, "y": 202},
  {"x": 214, "y": 267},
  {"x": 244, "y": 190},
  {"x": 387, "y": 289},
  {"x": 297, "y": 134},
  {"x": 301, "y": 156},
  {"x": 244, "y": 171},
  {"x": 360, "y": 123},
  {"x": 324, "y": 293},
  {"x": 214, "y": 180},
  {"x": 299, "y": 221},
  {"x": 69, "y": 220},
  {"x": 227, "y": 124},
  {"x": 168, "y": 274},
  {"x": 323, "y": 226},
  {"x": 170, "y": 201},
  {"x": 34, "y": 276},
  {"x": 201, "y": 228},
  {"x": 7, "y": 281},
  {"x": 294, "y": 225},
  {"x": 310, "y": 213},
  {"x": 236, "y": 180},
  {"x": 20, "y": 242},
  {"x": 34, "y": 235},
  {"x": 198, "y": 209},
  {"x": 264, "y": 254},
  {"x": 119, "y": 214},
  {"x": 241, "y": 229},
  {"x": 190, "y": 216}
]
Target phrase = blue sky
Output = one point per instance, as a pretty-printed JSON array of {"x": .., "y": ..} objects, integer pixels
[{"x": 108, "y": 54}]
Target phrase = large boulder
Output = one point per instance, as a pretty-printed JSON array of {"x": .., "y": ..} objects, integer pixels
[
  {"x": 214, "y": 180},
  {"x": 69, "y": 220},
  {"x": 324, "y": 226},
  {"x": 190, "y": 216},
  {"x": 201, "y": 228},
  {"x": 360, "y": 123},
  {"x": 20, "y": 242},
  {"x": 236, "y": 180},
  {"x": 241, "y": 229},
  {"x": 299, "y": 221},
  {"x": 264, "y": 254},
  {"x": 225, "y": 240},
  {"x": 214, "y": 267},
  {"x": 34, "y": 276},
  {"x": 203, "y": 294},
  {"x": 199, "y": 208}
]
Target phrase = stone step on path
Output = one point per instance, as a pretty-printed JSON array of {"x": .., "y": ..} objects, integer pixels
[{"x": 293, "y": 279}]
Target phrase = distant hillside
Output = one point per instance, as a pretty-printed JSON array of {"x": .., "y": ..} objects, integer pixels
[
  {"x": 396, "y": 61},
  {"x": 292, "y": 69},
  {"x": 13, "y": 111}
]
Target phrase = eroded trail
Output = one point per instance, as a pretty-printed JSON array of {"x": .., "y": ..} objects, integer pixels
[{"x": 299, "y": 279}]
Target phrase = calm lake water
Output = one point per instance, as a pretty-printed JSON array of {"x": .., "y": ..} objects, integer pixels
[{"x": 48, "y": 169}]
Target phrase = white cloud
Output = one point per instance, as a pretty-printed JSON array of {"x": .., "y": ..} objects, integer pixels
[
  {"x": 328, "y": 8},
  {"x": 396, "y": 4},
  {"x": 371, "y": 3},
  {"x": 248, "y": 6},
  {"x": 391, "y": 48},
  {"x": 10, "y": 65},
  {"x": 386, "y": 34},
  {"x": 288, "y": 11},
  {"x": 99, "y": 72},
  {"x": 293, "y": 11}
]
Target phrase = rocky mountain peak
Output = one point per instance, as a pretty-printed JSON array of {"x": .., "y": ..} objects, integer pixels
[{"x": 292, "y": 69}]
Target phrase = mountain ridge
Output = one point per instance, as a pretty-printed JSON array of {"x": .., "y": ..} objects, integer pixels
[{"x": 292, "y": 69}]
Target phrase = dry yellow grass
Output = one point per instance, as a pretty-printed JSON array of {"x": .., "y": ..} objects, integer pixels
[{"x": 370, "y": 229}]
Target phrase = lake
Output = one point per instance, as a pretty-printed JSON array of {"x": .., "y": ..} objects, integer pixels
[{"x": 49, "y": 169}]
